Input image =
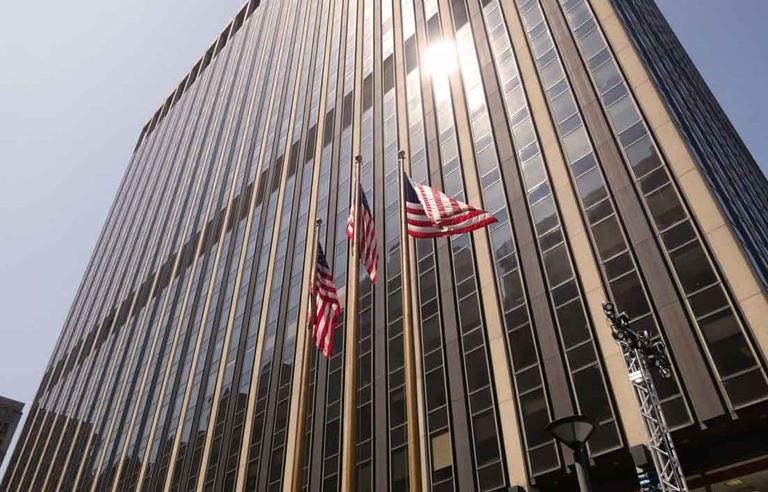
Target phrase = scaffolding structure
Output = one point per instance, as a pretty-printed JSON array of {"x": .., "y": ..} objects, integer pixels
[{"x": 641, "y": 355}]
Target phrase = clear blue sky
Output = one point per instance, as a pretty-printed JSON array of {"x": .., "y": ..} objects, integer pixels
[{"x": 80, "y": 78}]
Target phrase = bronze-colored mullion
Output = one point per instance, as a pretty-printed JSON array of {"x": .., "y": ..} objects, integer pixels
[
  {"x": 129, "y": 326},
  {"x": 274, "y": 376},
  {"x": 168, "y": 332},
  {"x": 463, "y": 466},
  {"x": 311, "y": 431},
  {"x": 380, "y": 448},
  {"x": 233, "y": 224},
  {"x": 174, "y": 473},
  {"x": 160, "y": 252},
  {"x": 195, "y": 243},
  {"x": 246, "y": 212},
  {"x": 519, "y": 207},
  {"x": 186, "y": 109},
  {"x": 317, "y": 453},
  {"x": 519, "y": 215},
  {"x": 197, "y": 119}
]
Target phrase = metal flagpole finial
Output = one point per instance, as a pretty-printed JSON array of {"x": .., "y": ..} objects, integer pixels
[
  {"x": 401, "y": 154},
  {"x": 358, "y": 158},
  {"x": 318, "y": 223}
]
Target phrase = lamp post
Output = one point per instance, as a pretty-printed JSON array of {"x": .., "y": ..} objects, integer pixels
[{"x": 574, "y": 432}]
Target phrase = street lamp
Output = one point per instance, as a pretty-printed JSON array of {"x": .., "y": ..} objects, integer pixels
[{"x": 574, "y": 432}]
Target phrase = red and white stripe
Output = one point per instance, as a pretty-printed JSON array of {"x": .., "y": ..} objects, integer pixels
[
  {"x": 431, "y": 213},
  {"x": 369, "y": 254},
  {"x": 326, "y": 306}
]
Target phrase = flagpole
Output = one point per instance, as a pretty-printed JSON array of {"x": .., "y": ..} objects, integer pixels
[
  {"x": 414, "y": 447},
  {"x": 349, "y": 434},
  {"x": 301, "y": 433}
]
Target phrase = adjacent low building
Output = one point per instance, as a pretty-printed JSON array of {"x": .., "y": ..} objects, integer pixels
[{"x": 10, "y": 414}]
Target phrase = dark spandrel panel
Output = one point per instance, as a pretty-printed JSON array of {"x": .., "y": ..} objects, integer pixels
[
  {"x": 544, "y": 459},
  {"x": 574, "y": 324},
  {"x": 629, "y": 295},
  {"x": 605, "y": 437},
  {"x": 608, "y": 238},
  {"x": 726, "y": 343},
  {"x": 665, "y": 207},
  {"x": 747, "y": 388},
  {"x": 678, "y": 235},
  {"x": 675, "y": 412},
  {"x": 708, "y": 301},
  {"x": 692, "y": 267}
]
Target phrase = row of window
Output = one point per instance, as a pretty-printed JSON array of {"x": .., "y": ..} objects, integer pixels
[
  {"x": 606, "y": 229},
  {"x": 728, "y": 348}
]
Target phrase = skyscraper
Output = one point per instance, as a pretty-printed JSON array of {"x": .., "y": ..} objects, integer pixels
[{"x": 580, "y": 124}]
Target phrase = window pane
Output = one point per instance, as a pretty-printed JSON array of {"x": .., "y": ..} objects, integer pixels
[
  {"x": 623, "y": 114},
  {"x": 544, "y": 215},
  {"x": 469, "y": 313},
  {"x": 557, "y": 265},
  {"x": 563, "y": 106},
  {"x": 511, "y": 290},
  {"x": 477, "y": 370},
  {"x": 606, "y": 77},
  {"x": 533, "y": 171},
  {"x": 726, "y": 343},
  {"x": 592, "y": 43},
  {"x": 573, "y": 324},
  {"x": 692, "y": 267},
  {"x": 746, "y": 388},
  {"x": 521, "y": 347},
  {"x": 678, "y": 235},
  {"x": 543, "y": 459},
  {"x": 430, "y": 334},
  {"x": 591, "y": 187},
  {"x": 435, "y": 389},
  {"x": 442, "y": 454},
  {"x": 535, "y": 417},
  {"x": 629, "y": 295},
  {"x": 576, "y": 144},
  {"x": 708, "y": 301},
  {"x": 665, "y": 207},
  {"x": 486, "y": 443},
  {"x": 604, "y": 437},
  {"x": 591, "y": 394},
  {"x": 642, "y": 156},
  {"x": 397, "y": 407},
  {"x": 608, "y": 237},
  {"x": 463, "y": 264}
]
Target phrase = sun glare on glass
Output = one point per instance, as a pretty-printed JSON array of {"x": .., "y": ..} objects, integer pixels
[{"x": 440, "y": 59}]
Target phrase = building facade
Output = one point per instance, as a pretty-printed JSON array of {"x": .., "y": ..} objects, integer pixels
[
  {"x": 570, "y": 120},
  {"x": 10, "y": 414}
]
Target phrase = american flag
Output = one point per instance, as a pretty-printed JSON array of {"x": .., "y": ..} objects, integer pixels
[
  {"x": 431, "y": 213},
  {"x": 369, "y": 254},
  {"x": 326, "y": 306}
]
